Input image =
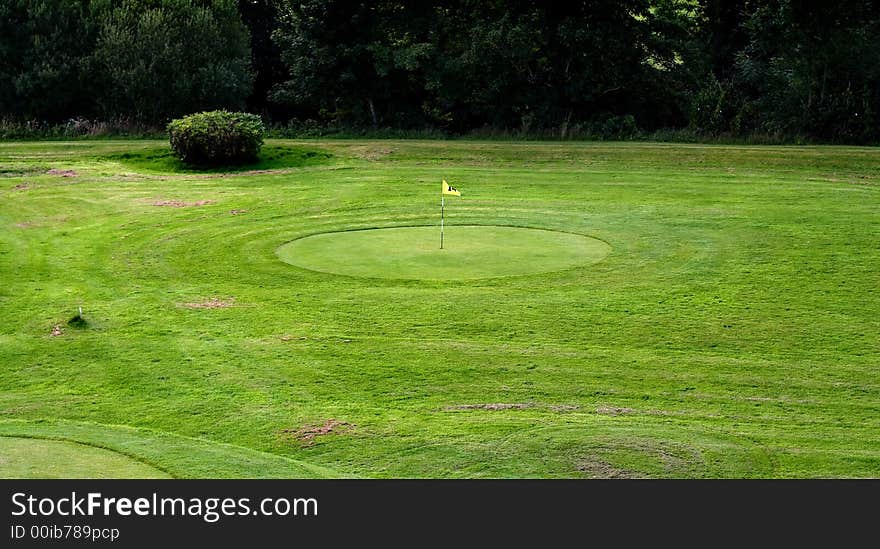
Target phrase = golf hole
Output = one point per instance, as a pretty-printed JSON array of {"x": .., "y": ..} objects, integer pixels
[{"x": 469, "y": 252}]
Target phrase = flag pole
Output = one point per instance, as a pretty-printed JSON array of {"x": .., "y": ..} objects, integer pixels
[{"x": 441, "y": 221}]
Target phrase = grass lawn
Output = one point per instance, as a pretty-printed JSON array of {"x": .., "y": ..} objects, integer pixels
[
  {"x": 37, "y": 458},
  {"x": 675, "y": 311}
]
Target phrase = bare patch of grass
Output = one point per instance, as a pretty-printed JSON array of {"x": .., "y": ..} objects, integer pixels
[
  {"x": 181, "y": 203},
  {"x": 598, "y": 468},
  {"x": 307, "y": 433},
  {"x": 614, "y": 411},
  {"x": 210, "y": 303},
  {"x": 62, "y": 173},
  {"x": 564, "y": 407},
  {"x": 371, "y": 153},
  {"x": 491, "y": 406}
]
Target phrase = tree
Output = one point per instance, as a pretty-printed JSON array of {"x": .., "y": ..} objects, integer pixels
[
  {"x": 261, "y": 19},
  {"x": 354, "y": 61},
  {"x": 158, "y": 59},
  {"x": 462, "y": 64},
  {"x": 811, "y": 69},
  {"x": 533, "y": 64},
  {"x": 43, "y": 48}
]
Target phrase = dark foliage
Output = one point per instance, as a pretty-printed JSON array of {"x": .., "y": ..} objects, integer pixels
[
  {"x": 611, "y": 69},
  {"x": 217, "y": 138}
]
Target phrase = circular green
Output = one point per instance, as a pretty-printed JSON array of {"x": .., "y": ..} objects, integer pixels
[{"x": 469, "y": 252}]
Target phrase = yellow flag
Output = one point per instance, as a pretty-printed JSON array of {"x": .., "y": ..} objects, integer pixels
[{"x": 449, "y": 190}]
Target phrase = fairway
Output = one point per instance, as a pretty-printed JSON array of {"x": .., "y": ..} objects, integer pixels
[
  {"x": 599, "y": 310},
  {"x": 469, "y": 252}
]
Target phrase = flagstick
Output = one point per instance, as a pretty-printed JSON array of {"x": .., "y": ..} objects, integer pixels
[{"x": 441, "y": 221}]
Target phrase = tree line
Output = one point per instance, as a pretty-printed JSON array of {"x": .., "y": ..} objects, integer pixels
[{"x": 789, "y": 68}]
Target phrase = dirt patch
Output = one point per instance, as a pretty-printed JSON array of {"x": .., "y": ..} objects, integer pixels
[
  {"x": 181, "y": 203},
  {"x": 647, "y": 458},
  {"x": 292, "y": 338},
  {"x": 372, "y": 154},
  {"x": 614, "y": 411},
  {"x": 22, "y": 186},
  {"x": 56, "y": 331},
  {"x": 622, "y": 411},
  {"x": 307, "y": 433},
  {"x": 212, "y": 303},
  {"x": 62, "y": 173},
  {"x": 25, "y": 225},
  {"x": 599, "y": 468},
  {"x": 237, "y": 212},
  {"x": 492, "y": 406},
  {"x": 564, "y": 407}
]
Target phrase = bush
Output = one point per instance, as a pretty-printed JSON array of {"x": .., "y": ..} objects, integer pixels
[{"x": 217, "y": 138}]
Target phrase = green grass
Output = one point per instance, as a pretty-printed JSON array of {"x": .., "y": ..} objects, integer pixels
[
  {"x": 36, "y": 458},
  {"x": 732, "y": 330},
  {"x": 469, "y": 252},
  {"x": 162, "y": 453},
  {"x": 151, "y": 158}
]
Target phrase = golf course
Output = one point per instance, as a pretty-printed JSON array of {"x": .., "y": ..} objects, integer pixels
[{"x": 598, "y": 310}]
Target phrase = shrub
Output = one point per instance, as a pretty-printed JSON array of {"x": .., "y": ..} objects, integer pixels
[{"x": 217, "y": 137}]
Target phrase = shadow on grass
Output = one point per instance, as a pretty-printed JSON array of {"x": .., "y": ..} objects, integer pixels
[
  {"x": 78, "y": 322},
  {"x": 161, "y": 159}
]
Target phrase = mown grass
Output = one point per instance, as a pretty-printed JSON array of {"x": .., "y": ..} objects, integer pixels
[
  {"x": 39, "y": 458},
  {"x": 160, "y": 159},
  {"x": 732, "y": 331},
  {"x": 469, "y": 252}
]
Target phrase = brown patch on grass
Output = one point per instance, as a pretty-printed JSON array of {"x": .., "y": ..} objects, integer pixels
[
  {"x": 181, "y": 203},
  {"x": 651, "y": 458},
  {"x": 236, "y": 212},
  {"x": 599, "y": 468},
  {"x": 613, "y": 411},
  {"x": 22, "y": 186},
  {"x": 564, "y": 407},
  {"x": 622, "y": 411},
  {"x": 56, "y": 330},
  {"x": 491, "y": 406},
  {"x": 373, "y": 154},
  {"x": 62, "y": 173},
  {"x": 292, "y": 338},
  {"x": 307, "y": 433},
  {"x": 42, "y": 222},
  {"x": 212, "y": 303}
]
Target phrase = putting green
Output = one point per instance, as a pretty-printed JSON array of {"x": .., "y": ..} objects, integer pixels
[
  {"x": 37, "y": 458},
  {"x": 469, "y": 252}
]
